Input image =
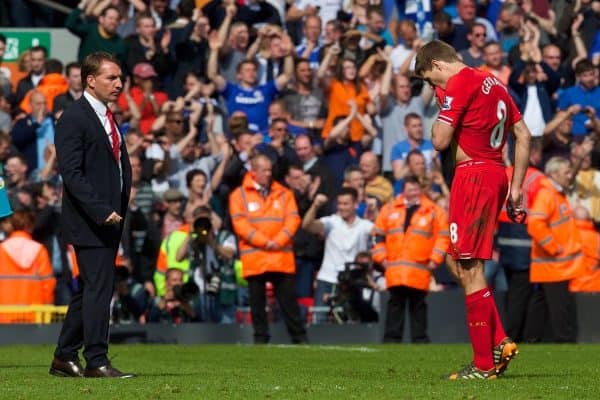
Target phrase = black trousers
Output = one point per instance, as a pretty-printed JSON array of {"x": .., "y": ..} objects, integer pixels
[
  {"x": 285, "y": 293},
  {"x": 417, "y": 310},
  {"x": 518, "y": 297},
  {"x": 86, "y": 322},
  {"x": 555, "y": 306}
]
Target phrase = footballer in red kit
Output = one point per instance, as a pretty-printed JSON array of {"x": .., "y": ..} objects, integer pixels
[{"x": 476, "y": 115}]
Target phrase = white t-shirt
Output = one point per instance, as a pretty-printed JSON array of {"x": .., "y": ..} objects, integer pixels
[
  {"x": 342, "y": 243},
  {"x": 533, "y": 116}
]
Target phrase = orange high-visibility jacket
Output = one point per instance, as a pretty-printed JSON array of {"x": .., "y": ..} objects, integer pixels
[
  {"x": 405, "y": 255},
  {"x": 257, "y": 220},
  {"x": 51, "y": 86},
  {"x": 590, "y": 281},
  {"x": 551, "y": 225},
  {"x": 26, "y": 275}
]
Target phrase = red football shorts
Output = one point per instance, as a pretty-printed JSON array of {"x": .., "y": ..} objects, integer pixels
[{"x": 478, "y": 192}]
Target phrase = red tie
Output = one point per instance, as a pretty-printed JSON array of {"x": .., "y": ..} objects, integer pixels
[{"x": 114, "y": 134}]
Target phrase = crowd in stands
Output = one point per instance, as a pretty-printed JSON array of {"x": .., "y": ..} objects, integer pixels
[{"x": 322, "y": 89}]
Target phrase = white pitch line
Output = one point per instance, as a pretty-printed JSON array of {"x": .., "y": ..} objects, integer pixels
[{"x": 330, "y": 348}]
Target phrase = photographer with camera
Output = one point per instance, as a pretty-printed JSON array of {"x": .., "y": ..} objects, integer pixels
[
  {"x": 179, "y": 301},
  {"x": 130, "y": 300},
  {"x": 411, "y": 240},
  {"x": 211, "y": 251},
  {"x": 354, "y": 282},
  {"x": 345, "y": 233}
]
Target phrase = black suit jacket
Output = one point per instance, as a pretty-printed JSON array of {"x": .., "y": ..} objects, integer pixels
[{"x": 92, "y": 187}]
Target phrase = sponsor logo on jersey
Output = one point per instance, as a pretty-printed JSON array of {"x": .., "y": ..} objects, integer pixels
[{"x": 447, "y": 103}]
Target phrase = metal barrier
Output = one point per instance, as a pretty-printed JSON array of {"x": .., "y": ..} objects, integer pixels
[{"x": 33, "y": 314}]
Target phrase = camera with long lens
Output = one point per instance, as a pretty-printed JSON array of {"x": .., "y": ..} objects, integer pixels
[
  {"x": 202, "y": 226},
  {"x": 186, "y": 292},
  {"x": 347, "y": 304},
  {"x": 213, "y": 285}
]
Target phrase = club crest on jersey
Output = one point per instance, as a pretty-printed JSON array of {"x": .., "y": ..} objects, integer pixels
[{"x": 447, "y": 103}]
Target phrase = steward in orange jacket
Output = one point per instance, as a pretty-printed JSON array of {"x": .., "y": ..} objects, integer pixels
[
  {"x": 514, "y": 245},
  {"x": 26, "y": 276},
  {"x": 556, "y": 252},
  {"x": 258, "y": 221},
  {"x": 265, "y": 218},
  {"x": 412, "y": 239},
  {"x": 590, "y": 281}
]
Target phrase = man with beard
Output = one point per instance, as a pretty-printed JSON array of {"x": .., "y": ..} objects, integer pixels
[{"x": 101, "y": 35}]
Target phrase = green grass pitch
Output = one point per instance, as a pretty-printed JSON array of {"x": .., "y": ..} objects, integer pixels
[{"x": 306, "y": 372}]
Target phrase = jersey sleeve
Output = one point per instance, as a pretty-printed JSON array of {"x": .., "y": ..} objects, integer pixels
[
  {"x": 454, "y": 102},
  {"x": 515, "y": 114}
]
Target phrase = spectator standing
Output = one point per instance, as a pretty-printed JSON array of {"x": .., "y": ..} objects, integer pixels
[
  {"x": 394, "y": 109},
  {"x": 247, "y": 96},
  {"x": 74, "y": 89},
  {"x": 413, "y": 126},
  {"x": 493, "y": 62},
  {"x": 412, "y": 239},
  {"x": 377, "y": 186},
  {"x": 52, "y": 84},
  {"x": 590, "y": 239},
  {"x": 143, "y": 46},
  {"x": 586, "y": 92},
  {"x": 556, "y": 254},
  {"x": 345, "y": 235},
  {"x": 25, "y": 266},
  {"x": 473, "y": 55},
  {"x": 101, "y": 35},
  {"x": 33, "y": 133},
  {"x": 38, "y": 56},
  {"x": 467, "y": 15},
  {"x": 265, "y": 218}
]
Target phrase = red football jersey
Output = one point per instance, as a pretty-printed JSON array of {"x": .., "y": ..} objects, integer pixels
[{"x": 481, "y": 110}]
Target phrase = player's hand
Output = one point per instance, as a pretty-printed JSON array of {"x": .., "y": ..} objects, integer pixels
[
  {"x": 514, "y": 206},
  {"x": 113, "y": 219}
]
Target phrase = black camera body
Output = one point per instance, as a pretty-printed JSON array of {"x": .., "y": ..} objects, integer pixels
[
  {"x": 186, "y": 292},
  {"x": 202, "y": 226}
]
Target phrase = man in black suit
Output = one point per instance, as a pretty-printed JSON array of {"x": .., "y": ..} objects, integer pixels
[{"x": 94, "y": 165}]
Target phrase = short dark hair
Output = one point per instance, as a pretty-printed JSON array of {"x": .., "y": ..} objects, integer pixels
[
  {"x": 186, "y": 8},
  {"x": 374, "y": 9},
  {"x": 584, "y": 65},
  {"x": 53, "y": 66},
  {"x": 143, "y": 15},
  {"x": 350, "y": 169},
  {"x": 39, "y": 48},
  {"x": 411, "y": 179},
  {"x": 246, "y": 61},
  {"x": 92, "y": 63},
  {"x": 191, "y": 174},
  {"x": 348, "y": 191},
  {"x": 414, "y": 152},
  {"x": 278, "y": 121},
  {"x": 442, "y": 17},
  {"x": 301, "y": 60},
  {"x": 411, "y": 115},
  {"x": 70, "y": 66},
  {"x": 2, "y": 38},
  {"x": 107, "y": 8}
]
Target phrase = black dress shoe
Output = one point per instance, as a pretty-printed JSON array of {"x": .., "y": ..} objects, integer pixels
[
  {"x": 106, "y": 371},
  {"x": 61, "y": 368}
]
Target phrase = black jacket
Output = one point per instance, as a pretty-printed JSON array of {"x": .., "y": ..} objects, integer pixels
[{"x": 91, "y": 178}]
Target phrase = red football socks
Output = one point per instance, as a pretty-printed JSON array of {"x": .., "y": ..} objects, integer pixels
[
  {"x": 499, "y": 333},
  {"x": 481, "y": 321}
]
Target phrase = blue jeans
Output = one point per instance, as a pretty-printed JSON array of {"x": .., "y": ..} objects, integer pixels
[
  {"x": 322, "y": 289},
  {"x": 494, "y": 275}
]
